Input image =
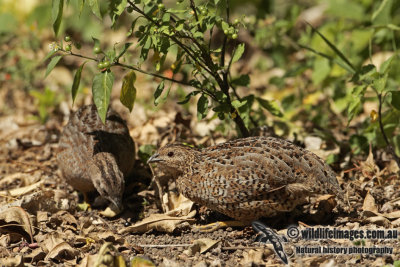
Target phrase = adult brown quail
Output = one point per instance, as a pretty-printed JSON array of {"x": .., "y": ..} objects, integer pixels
[
  {"x": 248, "y": 178},
  {"x": 96, "y": 156}
]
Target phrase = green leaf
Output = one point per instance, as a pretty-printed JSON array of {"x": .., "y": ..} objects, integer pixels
[
  {"x": 80, "y": 4},
  {"x": 237, "y": 104},
  {"x": 393, "y": 27},
  {"x": 101, "y": 89},
  {"x": 56, "y": 14},
  {"x": 146, "y": 44},
  {"x": 340, "y": 62},
  {"x": 367, "y": 74},
  {"x": 385, "y": 67},
  {"x": 96, "y": 42},
  {"x": 116, "y": 8},
  {"x": 77, "y": 80},
  {"x": 396, "y": 99},
  {"x": 158, "y": 92},
  {"x": 335, "y": 49},
  {"x": 224, "y": 25},
  {"x": 271, "y": 106},
  {"x": 382, "y": 14},
  {"x": 202, "y": 107},
  {"x": 128, "y": 90},
  {"x": 380, "y": 83},
  {"x": 354, "y": 108},
  {"x": 94, "y": 6},
  {"x": 49, "y": 55},
  {"x": 166, "y": 18},
  {"x": 188, "y": 96},
  {"x": 321, "y": 70},
  {"x": 242, "y": 80},
  {"x": 52, "y": 64},
  {"x": 238, "y": 53}
]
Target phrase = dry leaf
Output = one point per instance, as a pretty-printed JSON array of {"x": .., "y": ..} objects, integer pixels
[
  {"x": 37, "y": 255},
  {"x": 16, "y": 216},
  {"x": 141, "y": 262},
  {"x": 62, "y": 251},
  {"x": 88, "y": 261},
  {"x": 22, "y": 190},
  {"x": 110, "y": 212},
  {"x": 369, "y": 203},
  {"x": 110, "y": 237},
  {"x": 158, "y": 222},
  {"x": 41, "y": 216},
  {"x": 379, "y": 220},
  {"x": 201, "y": 245},
  {"x": 392, "y": 215},
  {"x": 368, "y": 167},
  {"x": 253, "y": 257},
  {"x": 52, "y": 240},
  {"x": 177, "y": 204},
  {"x": 106, "y": 256},
  {"x": 17, "y": 261}
]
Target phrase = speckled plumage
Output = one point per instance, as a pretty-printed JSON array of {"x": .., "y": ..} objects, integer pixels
[
  {"x": 96, "y": 156},
  {"x": 248, "y": 178}
]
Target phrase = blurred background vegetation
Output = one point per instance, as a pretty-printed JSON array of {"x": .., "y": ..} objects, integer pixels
[{"x": 287, "y": 62}]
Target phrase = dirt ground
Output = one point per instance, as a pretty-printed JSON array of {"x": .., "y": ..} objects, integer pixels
[{"x": 43, "y": 224}]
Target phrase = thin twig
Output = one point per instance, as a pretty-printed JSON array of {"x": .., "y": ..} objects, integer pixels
[
  {"x": 389, "y": 146},
  {"x": 163, "y": 246},
  {"x": 154, "y": 74}
]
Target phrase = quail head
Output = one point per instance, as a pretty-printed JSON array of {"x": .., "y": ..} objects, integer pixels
[
  {"x": 248, "y": 178},
  {"x": 96, "y": 156}
]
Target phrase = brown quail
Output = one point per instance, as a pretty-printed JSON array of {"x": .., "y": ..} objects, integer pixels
[
  {"x": 96, "y": 156},
  {"x": 248, "y": 178}
]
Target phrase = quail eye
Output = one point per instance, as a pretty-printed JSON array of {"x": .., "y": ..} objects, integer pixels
[{"x": 170, "y": 154}]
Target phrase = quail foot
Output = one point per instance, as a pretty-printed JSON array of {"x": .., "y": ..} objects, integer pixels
[
  {"x": 94, "y": 156},
  {"x": 248, "y": 178}
]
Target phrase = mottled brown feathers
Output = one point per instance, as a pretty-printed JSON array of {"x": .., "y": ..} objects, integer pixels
[
  {"x": 248, "y": 178},
  {"x": 96, "y": 156}
]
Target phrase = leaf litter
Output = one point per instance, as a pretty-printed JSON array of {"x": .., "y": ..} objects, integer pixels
[{"x": 40, "y": 223}]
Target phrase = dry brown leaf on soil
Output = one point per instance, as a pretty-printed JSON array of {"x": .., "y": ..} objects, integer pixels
[
  {"x": 179, "y": 211},
  {"x": 378, "y": 220},
  {"x": 22, "y": 190},
  {"x": 253, "y": 257},
  {"x": 368, "y": 167},
  {"x": 369, "y": 204},
  {"x": 158, "y": 222},
  {"x": 64, "y": 218},
  {"x": 17, "y": 261},
  {"x": 37, "y": 255},
  {"x": 105, "y": 257},
  {"x": 201, "y": 245},
  {"x": 16, "y": 216},
  {"x": 177, "y": 204},
  {"x": 62, "y": 251},
  {"x": 370, "y": 210},
  {"x": 109, "y": 237},
  {"x": 110, "y": 212}
]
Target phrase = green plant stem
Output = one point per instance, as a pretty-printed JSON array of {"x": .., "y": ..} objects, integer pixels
[
  {"x": 389, "y": 146},
  {"x": 154, "y": 74},
  {"x": 136, "y": 69}
]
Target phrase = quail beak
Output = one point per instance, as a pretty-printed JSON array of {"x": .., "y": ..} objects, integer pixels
[
  {"x": 154, "y": 158},
  {"x": 117, "y": 205}
]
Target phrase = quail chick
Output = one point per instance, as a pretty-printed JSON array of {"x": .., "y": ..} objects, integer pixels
[
  {"x": 248, "y": 178},
  {"x": 96, "y": 156}
]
